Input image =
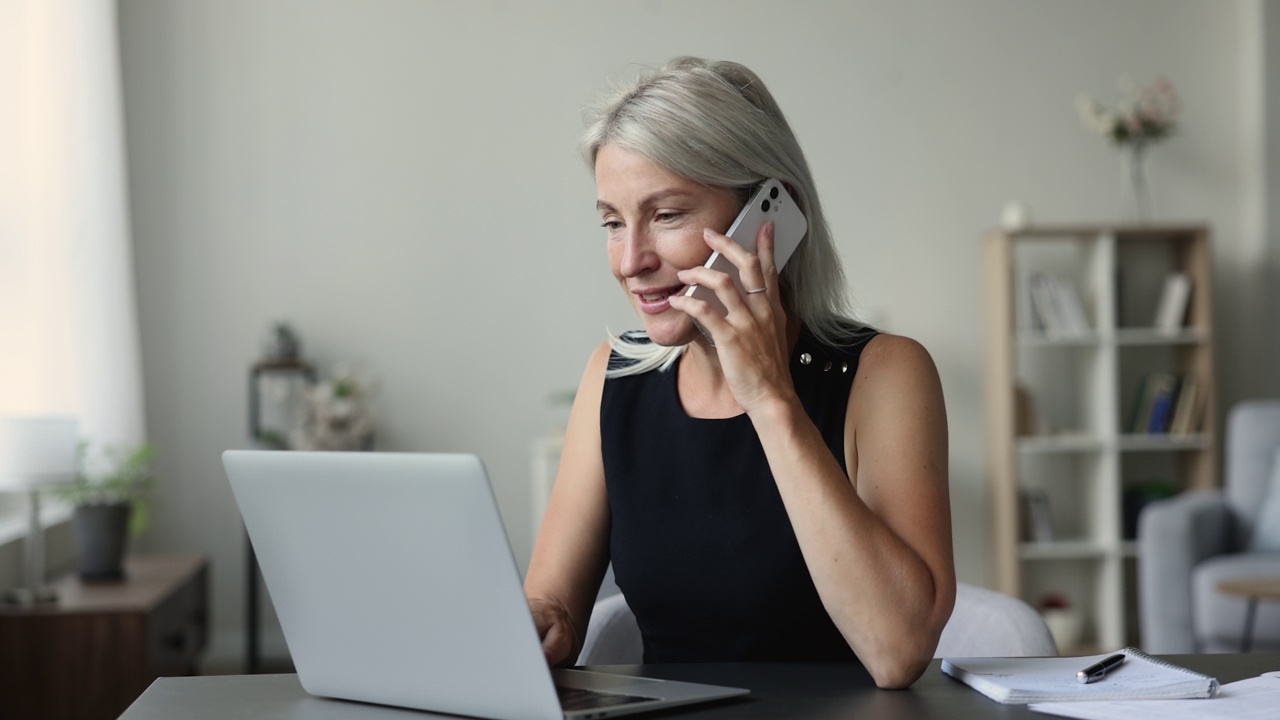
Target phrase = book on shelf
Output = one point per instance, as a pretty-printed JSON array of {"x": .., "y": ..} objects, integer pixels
[
  {"x": 1139, "y": 405},
  {"x": 1190, "y": 406},
  {"x": 1162, "y": 399},
  {"x": 1025, "y": 421},
  {"x": 1156, "y": 387},
  {"x": 1027, "y": 317},
  {"x": 1070, "y": 306},
  {"x": 1057, "y": 306},
  {"x": 1167, "y": 404},
  {"x": 1174, "y": 298},
  {"x": 1042, "y": 302},
  {"x": 1037, "y": 525}
]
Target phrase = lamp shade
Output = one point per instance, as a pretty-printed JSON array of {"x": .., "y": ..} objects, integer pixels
[{"x": 37, "y": 451}]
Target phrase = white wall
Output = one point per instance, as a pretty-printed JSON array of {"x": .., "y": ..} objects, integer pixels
[
  {"x": 1269, "y": 192},
  {"x": 398, "y": 178}
]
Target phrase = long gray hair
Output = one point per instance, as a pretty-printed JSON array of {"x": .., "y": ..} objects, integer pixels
[{"x": 716, "y": 123}]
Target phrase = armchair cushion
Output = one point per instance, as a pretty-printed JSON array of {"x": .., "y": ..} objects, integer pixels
[
  {"x": 1219, "y": 617},
  {"x": 1266, "y": 528}
]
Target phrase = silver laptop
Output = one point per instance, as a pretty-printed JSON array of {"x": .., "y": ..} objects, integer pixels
[{"x": 395, "y": 584}]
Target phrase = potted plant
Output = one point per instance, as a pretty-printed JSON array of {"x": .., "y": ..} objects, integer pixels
[{"x": 110, "y": 504}]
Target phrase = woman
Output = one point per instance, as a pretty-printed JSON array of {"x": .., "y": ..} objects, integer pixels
[{"x": 776, "y": 491}]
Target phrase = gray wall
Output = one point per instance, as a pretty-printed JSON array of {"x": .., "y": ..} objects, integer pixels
[{"x": 398, "y": 178}]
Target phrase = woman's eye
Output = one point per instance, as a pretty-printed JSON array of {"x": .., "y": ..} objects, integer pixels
[
  {"x": 668, "y": 216},
  {"x": 611, "y": 225}
]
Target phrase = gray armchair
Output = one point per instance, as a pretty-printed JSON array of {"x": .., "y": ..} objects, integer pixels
[{"x": 1190, "y": 543}]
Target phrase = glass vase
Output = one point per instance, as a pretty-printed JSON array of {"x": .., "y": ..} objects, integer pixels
[{"x": 1133, "y": 178}]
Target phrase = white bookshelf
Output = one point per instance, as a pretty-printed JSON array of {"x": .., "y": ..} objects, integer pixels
[{"x": 1072, "y": 446}]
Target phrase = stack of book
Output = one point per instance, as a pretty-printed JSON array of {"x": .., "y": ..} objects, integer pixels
[
  {"x": 1167, "y": 404},
  {"x": 1057, "y": 306}
]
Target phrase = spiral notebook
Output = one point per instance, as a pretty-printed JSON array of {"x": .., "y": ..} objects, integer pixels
[{"x": 1025, "y": 680}]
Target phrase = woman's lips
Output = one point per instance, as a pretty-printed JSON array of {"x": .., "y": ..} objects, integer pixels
[{"x": 656, "y": 300}]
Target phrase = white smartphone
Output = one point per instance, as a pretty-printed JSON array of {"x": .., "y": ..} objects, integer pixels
[{"x": 771, "y": 203}]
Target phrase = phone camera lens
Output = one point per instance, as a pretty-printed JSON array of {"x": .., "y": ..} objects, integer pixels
[
  {"x": 764, "y": 206},
  {"x": 773, "y": 193}
]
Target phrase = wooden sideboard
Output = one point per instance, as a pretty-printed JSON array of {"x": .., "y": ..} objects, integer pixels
[{"x": 93, "y": 652}]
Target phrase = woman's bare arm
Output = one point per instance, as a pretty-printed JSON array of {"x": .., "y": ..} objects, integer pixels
[
  {"x": 876, "y": 541},
  {"x": 572, "y": 550},
  {"x": 878, "y": 546}
]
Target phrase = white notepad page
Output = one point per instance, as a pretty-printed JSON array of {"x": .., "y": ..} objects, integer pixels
[
  {"x": 1023, "y": 680},
  {"x": 1252, "y": 699}
]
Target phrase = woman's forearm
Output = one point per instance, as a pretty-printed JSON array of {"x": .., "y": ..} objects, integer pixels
[{"x": 883, "y": 596}]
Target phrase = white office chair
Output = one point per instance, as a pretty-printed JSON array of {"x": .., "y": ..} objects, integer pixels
[
  {"x": 986, "y": 623},
  {"x": 613, "y": 638},
  {"x": 983, "y": 623}
]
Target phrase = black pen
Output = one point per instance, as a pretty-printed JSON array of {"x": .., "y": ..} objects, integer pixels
[{"x": 1099, "y": 669}]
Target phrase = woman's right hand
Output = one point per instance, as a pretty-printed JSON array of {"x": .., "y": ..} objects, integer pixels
[{"x": 555, "y": 629}]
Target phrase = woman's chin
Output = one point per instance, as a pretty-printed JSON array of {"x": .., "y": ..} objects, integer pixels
[{"x": 671, "y": 332}]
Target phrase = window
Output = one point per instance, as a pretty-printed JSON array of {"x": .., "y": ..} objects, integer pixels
[{"x": 68, "y": 332}]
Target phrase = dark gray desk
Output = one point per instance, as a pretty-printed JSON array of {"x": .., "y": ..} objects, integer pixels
[{"x": 778, "y": 691}]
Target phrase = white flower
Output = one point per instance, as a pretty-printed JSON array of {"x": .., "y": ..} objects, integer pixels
[
  {"x": 1143, "y": 114},
  {"x": 1094, "y": 116}
]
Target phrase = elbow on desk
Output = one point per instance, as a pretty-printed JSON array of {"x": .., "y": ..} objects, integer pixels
[
  {"x": 899, "y": 659},
  {"x": 897, "y": 673},
  {"x": 895, "y": 660}
]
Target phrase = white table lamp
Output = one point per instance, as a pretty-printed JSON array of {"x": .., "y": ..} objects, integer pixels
[{"x": 35, "y": 453}]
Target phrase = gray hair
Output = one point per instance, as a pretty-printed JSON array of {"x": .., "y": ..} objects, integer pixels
[{"x": 716, "y": 123}]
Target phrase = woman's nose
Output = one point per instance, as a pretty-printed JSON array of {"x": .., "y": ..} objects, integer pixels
[{"x": 637, "y": 253}]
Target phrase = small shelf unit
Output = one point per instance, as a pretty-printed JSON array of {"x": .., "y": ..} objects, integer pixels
[{"x": 1060, "y": 410}]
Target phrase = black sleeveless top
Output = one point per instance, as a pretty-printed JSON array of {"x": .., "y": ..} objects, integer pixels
[{"x": 701, "y": 544}]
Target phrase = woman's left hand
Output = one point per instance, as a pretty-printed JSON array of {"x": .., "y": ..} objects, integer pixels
[{"x": 751, "y": 340}]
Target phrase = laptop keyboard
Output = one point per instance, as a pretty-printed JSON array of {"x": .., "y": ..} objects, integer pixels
[{"x": 580, "y": 699}]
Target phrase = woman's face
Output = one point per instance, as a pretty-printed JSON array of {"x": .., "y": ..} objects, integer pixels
[{"x": 654, "y": 220}]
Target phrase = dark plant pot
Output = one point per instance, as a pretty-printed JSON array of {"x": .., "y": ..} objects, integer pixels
[{"x": 102, "y": 535}]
